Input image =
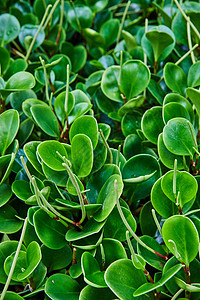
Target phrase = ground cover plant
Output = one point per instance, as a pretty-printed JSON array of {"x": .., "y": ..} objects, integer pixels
[{"x": 99, "y": 149}]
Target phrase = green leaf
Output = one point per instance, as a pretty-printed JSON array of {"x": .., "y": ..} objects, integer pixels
[
  {"x": 173, "y": 110},
  {"x": 107, "y": 197},
  {"x": 175, "y": 78},
  {"x": 90, "y": 293},
  {"x": 5, "y": 193},
  {"x": 152, "y": 258},
  {"x": 135, "y": 77},
  {"x": 91, "y": 227},
  {"x": 179, "y": 233},
  {"x": 140, "y": 165},
  {"x": 152, "y": 123},
  {"x": 50, "y": 232},
  {"x": 82, "y": 155},
  {"x": 8, "y": 221},
  {"x": 96, "y": 5},
  {"x": 194, "y": 96},
  {"x": 166, "y": 157},
  {"x": 91, "y": 270},
  {"x": 32, "y": 257},
  {"x": 30, "y": 150},
  {"x": 193, "y": 79},
  {"x": 12, "y": 296},
  {"x": 115, "y": 228},
  {"x": 9, "y": 28},
  {"x": 85, "y": 125},
  {"x": 179, "y": 137},
  {"x": 83, "y": 13},
  {"x": 161, "y": 203},
  {"x": 148, "y": 287},
  {"x": 82, "y": 105},
  {"x": 131, "y": 121},
  {"x": 93, "y": 38},
  {"x": 47, "y": 151},
  {"x": 45, "y": 119},
  {"x": 4, "y": 59},
  {"x": 186, "y": 185},
  {"x": 109, "y": 83},
  {"x": 109, "y": 30},
  {"x": 56, "y": 259},
  {"x": 20, "y": 81},
  {"x": 9, "y": 124},
  {"x": 6, "y": 249},
  {"x": 59, "y": 106},
  {"x": 161, "y": 38},
  {"x": 27, "y": 33},
  {"x": 62, "y": 287},
  {"x": 123, "y": 278}
]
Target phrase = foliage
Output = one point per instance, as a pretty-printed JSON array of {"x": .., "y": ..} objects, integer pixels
[{"x": 99, "y": 149}]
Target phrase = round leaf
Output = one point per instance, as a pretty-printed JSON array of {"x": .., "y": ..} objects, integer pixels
[
  {"x": 20, "y": 81},
  {"x": 85, "y": 125},
  {"x": 152, "y": 123},
  {"x": 50, "y": 232},
  {"x": 175, "y": 78},
  {"x": 9, "y": 28},
  {"x": 135, "y": 77},
  {"x": 179, "y": 137},
  {"x": 179, "y": 233},
  {"x": 109, "y": 83},
  {"x": 47, "y": 151},
  {"x": 62, "y": 287}
]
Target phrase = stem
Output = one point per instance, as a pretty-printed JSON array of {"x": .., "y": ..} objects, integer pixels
[
  {"x": 174, "y": 177},
  {"x": 26, "y": 169},
  {"x": 128, "y": 226},
  {"x": 67, "y": 93},
  {"x": 61, "y": 22},
  {"x": 156, "y": 221},
  {"x": 186, "y": 54},
  {"x": 36, "y": 35},
  {"x": 51, "y": 13},
  {"x": 187, "y": 19},
  {"x": 190, "y": 41},
  {"x": 14, "y": 260},
  {"x": 45, "y": 78},
  {"x": 75, "y": 184},
  {"x": 145, "y": 55},
  {"x": 76, "y": 16},
  {"x": 122, "y": 22},
  {"x": 187, "y": 274},
  {"x": 181, "y": 59},
  {"x": 106, "y": 144},
  {"x": 118, "y": 154},
  {"x": 177, "y": 294}
]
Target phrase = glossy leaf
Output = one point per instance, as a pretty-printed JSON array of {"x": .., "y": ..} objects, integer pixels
[
  {"x": 46, "y": 120},
  {"x": 107, "y": 197},
  {"x": 179, "y": 233},
  {"x": 85, "y": 125},
  {"x": 134, "y": 78},
  {"x": 179, "y": 137},
  {"x": 8, "y": 221},
  {"x": 27, "y": 33},
  {"x": 175, "y": 78},
  {"x": 123, "y": 278},
  {"x": 61, "y": 287},
  {"x": 109, "y": 83},
  {"x": 91, "y": 270},
  {"x": 82, "y": 155},
  {"x": 47, "y": 151},
  {"x": 9, "y": 124},
  {"x": 152, "y": 123},
  {"x": 186, "y": 186},
  {"x": 20, "y": 81},
  {"x": 10, "y": 28},
  {"x": 50, "y": 232}
]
